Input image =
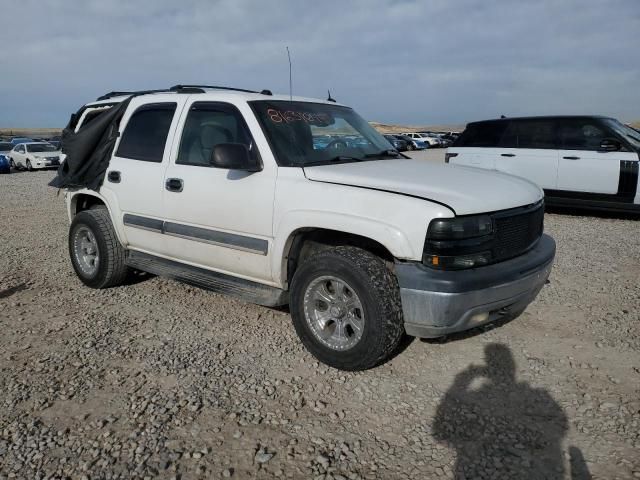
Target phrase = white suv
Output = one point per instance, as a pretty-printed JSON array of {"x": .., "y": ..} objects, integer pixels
[
  {"x": 579, "y": 161},
  {"x": 227, "y": 190}
]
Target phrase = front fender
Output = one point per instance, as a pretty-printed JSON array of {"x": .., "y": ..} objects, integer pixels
[{"x": 384, "y": 233}]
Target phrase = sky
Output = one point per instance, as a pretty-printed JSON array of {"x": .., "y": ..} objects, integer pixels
[{"x": 420, "y": 62}]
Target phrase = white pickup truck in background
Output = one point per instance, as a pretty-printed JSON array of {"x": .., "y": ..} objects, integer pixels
[{"x": 226, "y": 189}]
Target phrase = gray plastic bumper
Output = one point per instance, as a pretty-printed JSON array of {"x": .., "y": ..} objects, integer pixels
[{"x": 437, "y": 303}]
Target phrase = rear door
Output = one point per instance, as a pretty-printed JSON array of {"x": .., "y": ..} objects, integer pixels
[
  {"x": 478, "y": 145},
  {"x": 217, "y": 218},
  {"x": 585, "y": 167},
  {"x": 134, "y": 180},
  {"x": 528, "y": 149}
]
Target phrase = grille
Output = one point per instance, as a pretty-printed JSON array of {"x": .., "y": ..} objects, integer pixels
[{"x": 517, "y": 231}]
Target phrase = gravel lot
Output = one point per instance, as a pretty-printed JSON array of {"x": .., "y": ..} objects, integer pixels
[{"x": 159, "y": 379}]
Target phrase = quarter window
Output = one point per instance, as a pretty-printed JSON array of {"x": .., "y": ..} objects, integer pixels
[
  {"x": 208, "y": 125},
  {"x": 145, "y": 135},
  {"x": 581, "y": 135}
]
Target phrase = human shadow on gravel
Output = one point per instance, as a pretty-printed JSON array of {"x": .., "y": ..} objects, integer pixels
[
  {"x": 502, "y": 428},
  {"x": 7, "y": 292}
]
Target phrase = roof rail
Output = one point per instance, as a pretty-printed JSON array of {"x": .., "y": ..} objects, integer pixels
[
  {"x": 217, "y": 87},
  {"x": 109, "y": 95},
  {"x": 179, "y": 89}
]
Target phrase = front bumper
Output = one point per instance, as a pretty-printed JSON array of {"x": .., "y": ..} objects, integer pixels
[{"x": 437, "y": 303}]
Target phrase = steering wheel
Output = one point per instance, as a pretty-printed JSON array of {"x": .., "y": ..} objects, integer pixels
[{"x": 338, "y": 143}]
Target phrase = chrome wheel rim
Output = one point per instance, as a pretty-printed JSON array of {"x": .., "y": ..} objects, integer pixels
[
  {"x": 85, "y": 247},
  {"x": 334, "y": 313}
]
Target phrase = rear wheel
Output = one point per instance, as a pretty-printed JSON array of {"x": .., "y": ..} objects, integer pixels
[
  {"x": 346, "y": 309},
  {"x": 12, "y": 164},
  {"x": 96, "y": 254}
]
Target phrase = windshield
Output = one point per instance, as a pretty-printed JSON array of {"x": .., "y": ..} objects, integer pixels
[
  {"x": 305, "y": 133},
  {"x": 5, "y": 147},
  {"x": 40, "y": 147},
  {"x": 630, "y": 135}
]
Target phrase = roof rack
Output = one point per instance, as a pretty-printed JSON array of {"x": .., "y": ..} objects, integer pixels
[
  {"x": 217, "y": 87},
  {"x": 180, "y": 89},
  {"x": 109, "y": 95}
]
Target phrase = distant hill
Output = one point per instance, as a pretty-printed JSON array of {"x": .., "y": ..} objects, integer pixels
[
  {"x": 30, "y": 132},
  {"x": 392, "y": 128}
]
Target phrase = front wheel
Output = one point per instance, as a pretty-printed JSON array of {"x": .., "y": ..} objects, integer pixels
[
  {"x": 346, "y": 309},
  {"x": 96, "y": 254},
  {"x": 29, "y": 166}
]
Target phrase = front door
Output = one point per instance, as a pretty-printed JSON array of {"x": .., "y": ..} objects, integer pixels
[
  {"x": 134, "y": 181},
  {"x": 217, "y": 218},
  {"x": 584, "y": 167}
]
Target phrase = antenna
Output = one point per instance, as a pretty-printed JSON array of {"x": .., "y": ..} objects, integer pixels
[
  {"x": 290, "y": 77},
  {"x": 329, "y": 99}
]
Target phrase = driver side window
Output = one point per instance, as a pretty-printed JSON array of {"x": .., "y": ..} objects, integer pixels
[{"x": 208, "y": 125}]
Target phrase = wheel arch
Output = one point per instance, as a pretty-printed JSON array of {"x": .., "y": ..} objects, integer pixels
[
  {"x": 304, "y": 241},
  {"x": 78, "y": 201}
]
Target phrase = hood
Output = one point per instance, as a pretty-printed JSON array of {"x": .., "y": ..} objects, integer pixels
[{"x": 466, "y": 190}]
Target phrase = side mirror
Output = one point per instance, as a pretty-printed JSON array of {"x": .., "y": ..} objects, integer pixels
[
  {"x": 233, "y": 156},
  {"x": 610, "y": 145}
]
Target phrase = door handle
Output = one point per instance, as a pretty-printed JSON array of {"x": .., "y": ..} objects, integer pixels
[
  {"x": 507, "y": 154},
  {"x": 114, "y": 176},
  {"x": 174, "y": 184},
  {"x": 571, "y": 158}
]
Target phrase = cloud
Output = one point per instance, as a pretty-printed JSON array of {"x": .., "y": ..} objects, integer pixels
[{"x": 394, "y": 61}]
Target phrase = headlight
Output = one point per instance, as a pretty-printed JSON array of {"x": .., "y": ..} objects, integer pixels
[
  {"x": 460, "y": 227},
  {"x": 458, "y": 243}
]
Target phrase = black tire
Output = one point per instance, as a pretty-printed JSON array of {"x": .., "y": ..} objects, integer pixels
[
  {"x": 111, "y": 270},
  {"x": 29, "y": 166},
  {"x": 411, "y": 147},
  {"x": 377, "y": 288},
  {"x": 12, "y": 164}
]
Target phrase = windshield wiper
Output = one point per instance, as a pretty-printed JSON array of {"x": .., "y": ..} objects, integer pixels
[{"x": 383, "y": 153}]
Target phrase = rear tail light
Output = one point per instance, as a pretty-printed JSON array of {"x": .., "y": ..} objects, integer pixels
[{"x": 448, "y": 156}]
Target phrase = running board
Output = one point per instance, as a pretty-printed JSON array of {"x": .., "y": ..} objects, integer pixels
[{"x": 217, "y": 282}]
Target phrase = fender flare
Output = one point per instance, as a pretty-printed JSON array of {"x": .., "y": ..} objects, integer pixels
[{"x": 387, "y": 235}]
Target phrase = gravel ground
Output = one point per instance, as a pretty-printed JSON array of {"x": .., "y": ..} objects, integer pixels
[{"x": 159, "y": 379}]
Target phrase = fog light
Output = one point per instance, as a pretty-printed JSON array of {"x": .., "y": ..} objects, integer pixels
[{"x": 479, "y": 318}]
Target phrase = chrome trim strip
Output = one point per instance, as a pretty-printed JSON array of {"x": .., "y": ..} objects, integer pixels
[
  {"x": 215, "y": 237},
  {"x": 144, "y": 223},
  {"x": 197, "y": 234}
]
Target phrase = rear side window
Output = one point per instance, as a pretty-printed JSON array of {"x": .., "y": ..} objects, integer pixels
[
  {"x": 485, "y": 134},
  {"x": 145, "y": 135},
  {"x": 581, "y": 134},
  {"x": 530, "y": 134}
]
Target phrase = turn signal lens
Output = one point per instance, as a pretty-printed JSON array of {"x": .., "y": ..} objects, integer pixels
[{"x": 460, "y": 262}]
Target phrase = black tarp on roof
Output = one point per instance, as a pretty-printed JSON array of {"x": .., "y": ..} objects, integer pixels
[{"x": 89, "y": 150}]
